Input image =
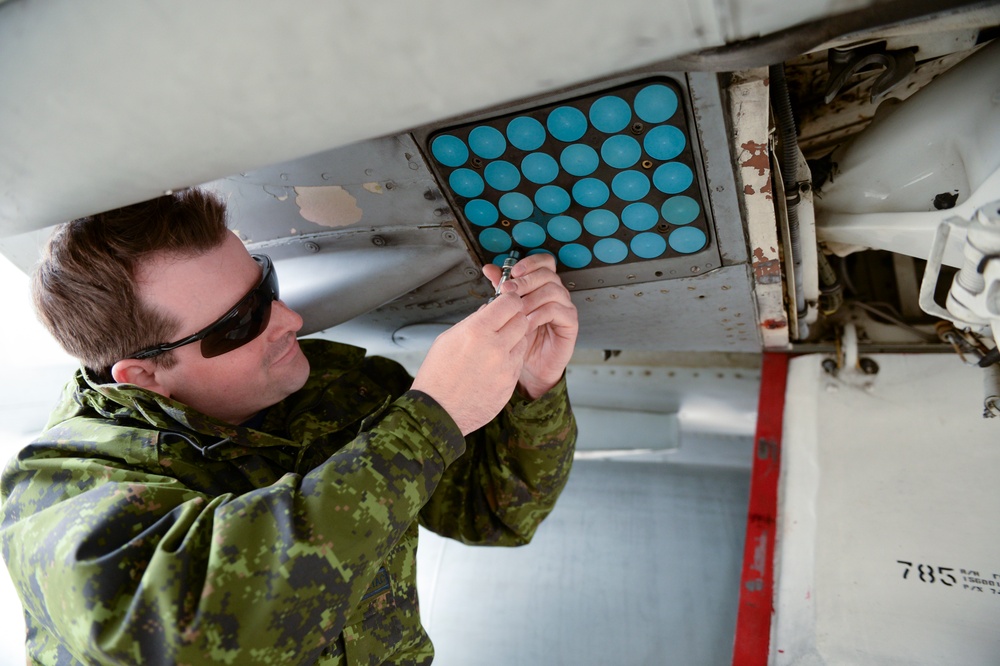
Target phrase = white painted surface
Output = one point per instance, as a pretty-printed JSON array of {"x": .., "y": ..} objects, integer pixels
[
  {"x": 943, "y": 139},
  {"x": 106, "y": 104},
  {"x": 748, "y": 105},
  {"x": 899, "y": 466}
]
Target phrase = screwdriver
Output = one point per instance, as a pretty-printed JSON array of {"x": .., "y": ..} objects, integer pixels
[{"x": 508, "y": 264}]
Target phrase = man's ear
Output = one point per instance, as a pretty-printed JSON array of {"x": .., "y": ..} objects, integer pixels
[{"x": 141, "y": 372}]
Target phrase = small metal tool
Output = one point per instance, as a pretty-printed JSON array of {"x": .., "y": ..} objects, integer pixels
[{"x": 508, "y": 264}]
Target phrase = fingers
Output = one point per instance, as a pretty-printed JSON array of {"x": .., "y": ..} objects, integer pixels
[
  {"x": 550, "y": 319},
  {"x": 549, "y": 304},
  {"x": 472, "y": 368},
  {"x": 505, "y": 312},
  {"x": 533, "y": 262},
  {"x": 530, "y": 264}
]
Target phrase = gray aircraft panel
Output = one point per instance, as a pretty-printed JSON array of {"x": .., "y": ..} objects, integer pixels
[{"x": 638, "y": 564}]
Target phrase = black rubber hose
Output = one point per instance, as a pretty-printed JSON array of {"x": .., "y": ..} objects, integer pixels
[{"x": 788, "y": 159}]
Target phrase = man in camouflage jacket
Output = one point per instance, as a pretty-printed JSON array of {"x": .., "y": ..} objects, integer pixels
[{"x": 140, "y": 529}]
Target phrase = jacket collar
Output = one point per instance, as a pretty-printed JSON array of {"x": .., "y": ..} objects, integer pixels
[{"x": 127, "y": 403}]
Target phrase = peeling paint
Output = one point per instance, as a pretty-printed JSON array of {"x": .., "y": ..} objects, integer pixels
[
  {"x": 758, "y": 157},
  {"x": 278, "y": 192},
  {"x": 774, "y": 324},
  {"x": 765, "y": 270},
  {"x": 374, "y": 188},
  {"x": 327, "y": 205}
]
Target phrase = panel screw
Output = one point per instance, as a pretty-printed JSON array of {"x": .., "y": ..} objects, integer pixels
[
  {"x": 378, "y": 241},
  {"x": 868, "y": 366},
  {"x": 311, "y": 246}
]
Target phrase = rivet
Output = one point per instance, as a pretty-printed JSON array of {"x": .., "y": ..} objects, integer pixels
[
  {"x": 378, "y": 241},
  {"x": 449, "y": 236},
  {"x": 311, "y": 246}
]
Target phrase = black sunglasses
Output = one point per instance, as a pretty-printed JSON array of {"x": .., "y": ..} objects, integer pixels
[{"x": 240, "y": 325}]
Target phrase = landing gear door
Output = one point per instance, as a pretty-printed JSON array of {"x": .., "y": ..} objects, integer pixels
[{"x": 888, "y": 515}]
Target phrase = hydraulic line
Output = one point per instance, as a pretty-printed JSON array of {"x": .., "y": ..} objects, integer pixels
[{"x": 788, "y": 160}]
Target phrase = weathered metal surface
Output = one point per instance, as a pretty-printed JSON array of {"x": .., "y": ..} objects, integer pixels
[{"x": 748, "y": 107}]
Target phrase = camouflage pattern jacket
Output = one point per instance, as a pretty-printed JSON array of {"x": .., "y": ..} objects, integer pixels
[{"x": 138, "y": 531}]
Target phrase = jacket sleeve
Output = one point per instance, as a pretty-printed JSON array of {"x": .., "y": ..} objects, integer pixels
[
  {"x": 510, "y": 476},
  {"x": 131, "y": 567}
]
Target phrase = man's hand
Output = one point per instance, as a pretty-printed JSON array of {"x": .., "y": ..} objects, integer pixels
[
  {"x": 472, "y": 368},
  {"x": 552, "y": 320}
]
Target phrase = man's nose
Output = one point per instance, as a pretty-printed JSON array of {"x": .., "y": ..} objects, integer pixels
[{"x": 284, "y": 319}]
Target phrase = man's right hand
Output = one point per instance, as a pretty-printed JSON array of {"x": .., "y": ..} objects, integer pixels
[{"x": 472, "y": 368}]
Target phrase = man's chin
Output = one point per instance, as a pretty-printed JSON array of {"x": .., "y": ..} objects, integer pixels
[{"x": 297, "y": 367}]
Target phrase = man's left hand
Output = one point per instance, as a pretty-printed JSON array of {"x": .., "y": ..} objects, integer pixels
[{"x": 552, "y": 320}]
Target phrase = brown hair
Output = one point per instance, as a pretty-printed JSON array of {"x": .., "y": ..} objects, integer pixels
[{"x": 85, "y": 290}]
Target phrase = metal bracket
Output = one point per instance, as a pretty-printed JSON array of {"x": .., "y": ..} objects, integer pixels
[
  {"x": 933, "y": 269},
  {"x": 844, "y": 63}
]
